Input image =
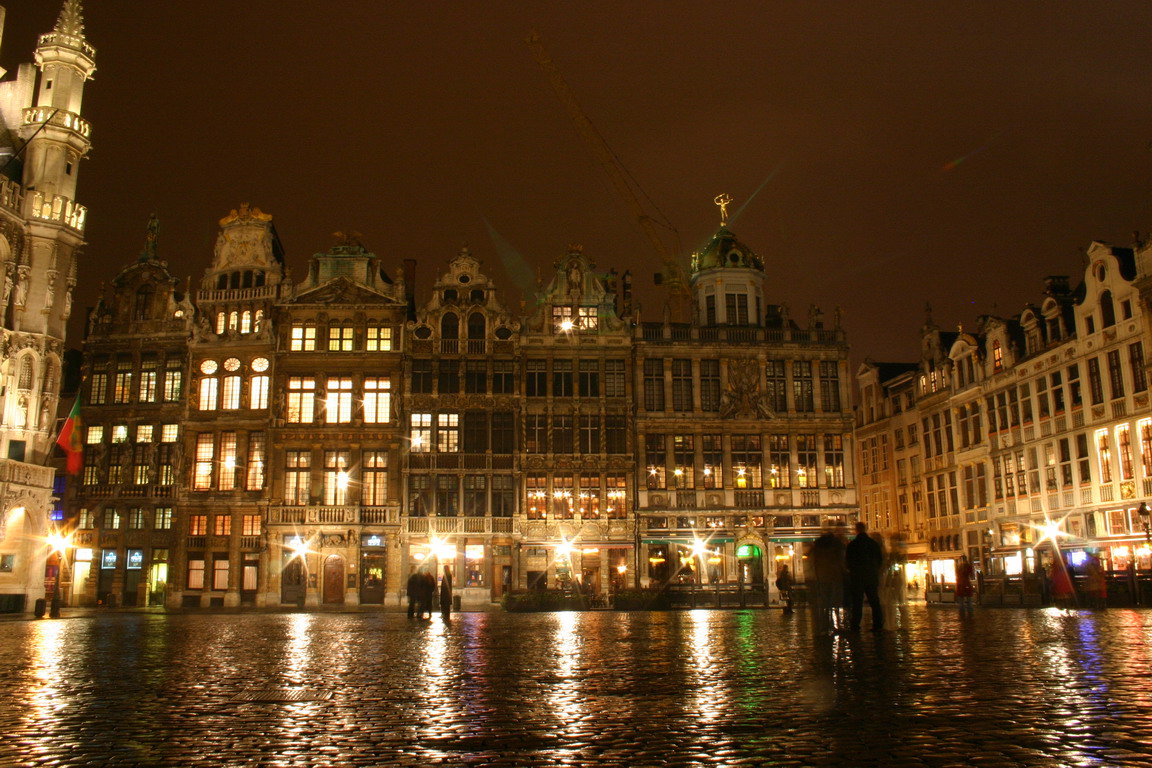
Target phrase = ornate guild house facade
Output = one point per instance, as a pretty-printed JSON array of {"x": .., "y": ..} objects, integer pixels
[
  {"x": 43, "y": 140},
  {"x": 268, "y": 442}
]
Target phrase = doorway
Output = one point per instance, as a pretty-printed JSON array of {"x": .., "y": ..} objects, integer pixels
[
  {"x": 371, "y": 579},
  {"x": 292, "y": 581},
  {"x": 334, "y": 580}
]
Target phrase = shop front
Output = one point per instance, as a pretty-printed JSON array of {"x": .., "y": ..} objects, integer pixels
[{"x": 373, "y": 567}]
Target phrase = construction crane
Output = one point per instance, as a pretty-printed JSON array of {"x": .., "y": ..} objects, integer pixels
[{"x": 673, "y": 274}]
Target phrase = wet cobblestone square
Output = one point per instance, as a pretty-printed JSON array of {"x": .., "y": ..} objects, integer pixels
[{"x": 1006, "y": 687}]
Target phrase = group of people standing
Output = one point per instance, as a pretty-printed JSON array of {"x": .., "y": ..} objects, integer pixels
[
  {"x": 854, "y": 571},
  {"x": 422, "y": 591}
]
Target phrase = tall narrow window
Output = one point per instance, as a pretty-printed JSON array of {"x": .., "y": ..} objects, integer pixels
[
  {"x": 503, "y": 503},
  {"x": 616, "y": 484},
  {"x": 205, "y": 455},
  {"x": 503, "y": 377},
  {"x": 1136, "y": 362},
  {"x": 297, "y": 477},
  {"x": 710, "y": 385},
  {"x": 614, "y": 378},
  {"x": 1095, "y": 384},
  {"x": 736, "y": 307},
  {"x": 1104, "y": 452},
  {"x": 374, "y": 491},
  {"x": 562, "y": 380},
  {"x": 535, "y": 379},
  {"x": 338, "y": 405},
  {"x": 536, "y": 433},
  {"x": 420, "y": 435},
  {"x": 713, "y": 456},
  {"x": 1115, "y": 374},
  {"x": 121, "y": 390},
  {"x": 682, "y": 385},
  {"x": 475, "y": 496},
  {"x": 589, "y": 378},
  {"x": 173, "y": 381},
  {"x": 449, "y": 378},
  {"x": 806, "y": 461},
  {"x": 780, "y": 462},
  {"x": 421, "y": 377},
  {"x": 149, "y": 375},
  {"x": 230, "y": 393},
  {"x": 448, "y": 432},
  {"x": 802, "y": 386},
  {"x": 683, "y": 461},
  {"x": 419, "y": 495},
  {"x": 208, "y": 393},
  {"x": 1145, "y": 427},
  {"x": 563, "y": 433},
  {"x": 256, "y": 459},
  {"x": 656, "y": 457},
  {"x": 447, "y": 495},
  {"x": 258, "y": 392},
  {"x": 1124, "y": 444},
  {"x": 335, "y": 478},
  {"x": 503, "y": 435},
  {"x": 747, "y": 462},
  {"x": 377, "y": 400},
  {"x": 98, "y": 392},
  {"x": 475, "y": 431},
  {"x": 654, "y": 384},
  {"x": 777, "y": 386},
  {"x": 829, "y": 386},
  {"x": 589, "y": 434},
  {"x": 301, "y": 403},
  {"x": 226, "y": 477},
  {"x": 536, "y": 492},
  {"x": 834, "y": 461}
]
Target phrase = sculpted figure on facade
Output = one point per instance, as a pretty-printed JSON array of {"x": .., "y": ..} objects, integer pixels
[
  {"x": 743, "y": 398},
  {"x": 22, "y": 273}
]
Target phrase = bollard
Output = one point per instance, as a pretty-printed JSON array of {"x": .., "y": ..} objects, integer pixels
[{"x": 41, "y": 606}]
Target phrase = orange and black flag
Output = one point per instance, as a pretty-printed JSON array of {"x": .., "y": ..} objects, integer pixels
[{"x": 69, "y": 440}]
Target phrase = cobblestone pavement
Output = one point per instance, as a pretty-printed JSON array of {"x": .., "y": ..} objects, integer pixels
[{"x": 1005, "y": 687}]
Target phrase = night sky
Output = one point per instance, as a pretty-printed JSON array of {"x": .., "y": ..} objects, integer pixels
[{"x": 952, "y": 153}]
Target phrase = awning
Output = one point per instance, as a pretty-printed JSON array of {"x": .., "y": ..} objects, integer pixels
[{"x": 687, "y": 542}]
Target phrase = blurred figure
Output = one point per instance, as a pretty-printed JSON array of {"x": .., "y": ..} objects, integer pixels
[
  {"x": 827, "y": 556},
  {"x": 1061, "y": 584},
  {"x": 415, "y": 585},
  {"x": 784, "y": 584},
  {"x": 1095, "y": 582},
  {"x": 965, "y": 588},
  {"x": 865, "y": 559},
  {"x": 427, "y": 593},
  {"x": 446, "y": 594}
]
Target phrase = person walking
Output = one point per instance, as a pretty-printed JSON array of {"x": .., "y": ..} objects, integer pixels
[
  {"x": 413, "y": 590},
  {"x": 446, "y": 594},
  {"x": 965, "y": 588},
  {"x": 1095, "y": 582},
  {"x": 784, "y": 585},
  {"x": 865, "y": 558},
  {"x": 827, "y": 558}
]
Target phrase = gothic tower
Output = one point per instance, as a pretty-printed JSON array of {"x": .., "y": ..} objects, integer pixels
[{"x": 42, "y": 140}]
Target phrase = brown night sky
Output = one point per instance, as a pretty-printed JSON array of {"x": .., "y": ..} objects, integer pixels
[{"x": 414, "y": 123}]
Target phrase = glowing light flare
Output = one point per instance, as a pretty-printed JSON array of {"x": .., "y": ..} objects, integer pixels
[
  {"x": 1051, "y": 529},
  {"x": 342, "y": 480},
  {"x": 58, "y": 542}
]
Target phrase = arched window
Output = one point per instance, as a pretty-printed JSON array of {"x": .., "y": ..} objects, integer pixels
[
  {"x": 259, "y": 278},
  {"x": 220, "y": 320},
  {"x": 233, "y": 320},
  {"x": 246, "y": 321},
  {"x": 1107, "y": 309},
  {"x": 450, "y": 326},
  {"x": 247, "y": 279},
  {"x": 222, "y": 282},
  {"x": 476, "y": 325},
  {"x": 143, "y": 307},
  {"x": 49, "y": 377},
  {"x": 234, "y": 280},
  {"x": 477, "y": 295},
  {"x": 997, "y": 357},
  {"x": 259, "y": 321}
]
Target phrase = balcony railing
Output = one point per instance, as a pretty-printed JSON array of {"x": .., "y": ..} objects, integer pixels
[
  {"x": 60, "y": 117},
  {"x": 332, "y": 515},
  {"x": 59, "y": 208},
  {"x": 459, "y": 525}
]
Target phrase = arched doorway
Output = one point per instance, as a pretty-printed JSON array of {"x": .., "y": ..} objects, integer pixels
[
  {"x": 750, "y": 564},
  {"x": 334, "y": 580},
  {"x": 292, "y": 580}
]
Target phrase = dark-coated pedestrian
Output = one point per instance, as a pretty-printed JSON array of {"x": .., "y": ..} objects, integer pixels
[
  {"x": 446, "y": 594},
  {"x": 865, "y": 559},
  {"x": 827, "y": 558},
  {"x": 413, "y": 591},
  {"x": 427, "y": 594},
  {"x": 784, "y": 585}
]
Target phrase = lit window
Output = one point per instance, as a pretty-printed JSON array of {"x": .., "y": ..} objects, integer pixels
[
  {"x": 303, "y": 338},
  {"x": 379, "y": 339},
  {"x": 205, "y": 453},
  {"x": 377, "y": 400},
  {"x": 255, "y": 479},
  {"x": 143, "y": 433},
  {"x": 223, "y": 525},
  {"x": 258, "y": 393},
  {"x": 208, "y": 390},
  {"x": 230, "y": 399},
  {"x": 260, "y": 364},
  {"x": 338, "y": 407},
  {"x": 448, "y": 432},
  {"x": 246, "y": 321},
  {"x": 301, "y": 400},
  {"x": 335, "y": 477},
  {"x": 421, "y": 434},
  {"x": 95, "y": 435},
  {"x": 221, "y": 319},
  {"x": 170, "y": 433},
  {"x": 120, "y": 433},
  {"x": 562, "y": 319},
  {"x": 227, "y": 473},
  {"x": 589, "y": 318},
  {"x": 340, "y": 338}
]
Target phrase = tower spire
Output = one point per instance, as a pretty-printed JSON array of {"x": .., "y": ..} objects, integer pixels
[{"x": 71, "y": 20}]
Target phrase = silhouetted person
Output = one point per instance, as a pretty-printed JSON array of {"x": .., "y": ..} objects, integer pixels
[
  {"x": 827, "y": 557},
  {"x": 446, "y": 594},
  {"x": 427, "y": 593},
  {"x": 965, "y": 589},
  {"x": 413, "y": 591},
  {"x": 784, "y": 584},
  {"x": 865, "y": 559}
]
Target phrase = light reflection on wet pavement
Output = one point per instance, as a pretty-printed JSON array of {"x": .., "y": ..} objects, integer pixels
[{"x": 1006, "y": 687}]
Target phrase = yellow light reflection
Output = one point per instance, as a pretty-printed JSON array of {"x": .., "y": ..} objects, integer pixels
[{"x": 708, "y": 697}]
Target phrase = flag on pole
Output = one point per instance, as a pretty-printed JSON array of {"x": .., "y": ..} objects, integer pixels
[{"x": 69, "y": 439}]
